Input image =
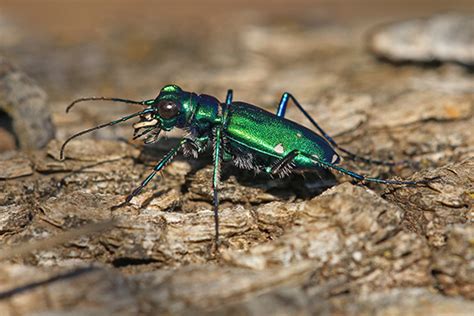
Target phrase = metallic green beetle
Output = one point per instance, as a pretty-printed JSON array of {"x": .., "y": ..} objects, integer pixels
[{"x": 249, "y": 136}]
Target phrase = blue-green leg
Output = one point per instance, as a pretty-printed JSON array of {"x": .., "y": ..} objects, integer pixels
[
  {"x": 362, "y": 177},
  {"x": 216, "y": 178},
  {"x": 227, "y": 156},
  {"x": 281, "y": 113},
  {"x": 280, "y": 164},
  {"x": 159, "y": 166},
  {"x": 229, "y": 97},
  {"x": 283, "y": 104}
]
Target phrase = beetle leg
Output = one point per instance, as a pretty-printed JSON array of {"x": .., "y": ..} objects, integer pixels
[
  {"x": 360, "y": 177},
  {"x": 281, "y": 113},
  {"x": 284, "y": 165},
  {"x": 228, "y": 98},
  {"x": 217, "y": 156},
  {"x": 159, "y": 166},
  {"x": 283, "y": 104}
]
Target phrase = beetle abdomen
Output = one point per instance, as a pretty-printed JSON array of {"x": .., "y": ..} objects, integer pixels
[{"x": 269, "y": 136}]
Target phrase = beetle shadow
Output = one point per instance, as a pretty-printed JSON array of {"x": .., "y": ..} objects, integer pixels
[{"x": 304, "y": 184}]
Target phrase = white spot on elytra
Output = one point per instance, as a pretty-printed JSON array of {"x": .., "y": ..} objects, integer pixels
[
  {"x": 298, "y": 135},
  {"x": 334, "y": 158},
  {"x": 279, "y": 149}
]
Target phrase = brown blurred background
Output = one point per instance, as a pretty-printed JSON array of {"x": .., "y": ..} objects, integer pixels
[{"x": 47, "y": 32}]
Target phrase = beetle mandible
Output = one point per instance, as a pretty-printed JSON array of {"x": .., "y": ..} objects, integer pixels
[{"x": 247, "y": 135}]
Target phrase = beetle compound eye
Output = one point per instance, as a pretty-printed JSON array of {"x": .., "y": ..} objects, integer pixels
[{"x": 168, "y": 109}]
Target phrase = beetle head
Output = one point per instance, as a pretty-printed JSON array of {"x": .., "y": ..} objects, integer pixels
[{"x": 172, "y": 108}]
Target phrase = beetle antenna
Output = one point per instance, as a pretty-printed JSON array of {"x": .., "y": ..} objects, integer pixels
[
  {"x": 120, "y": 120},
  {"x": 103, "y": 99}
]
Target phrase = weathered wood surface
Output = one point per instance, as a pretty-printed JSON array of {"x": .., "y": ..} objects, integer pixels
[
  {"x": 312, "y": 244},
  {"x": 447, "y": 37}
]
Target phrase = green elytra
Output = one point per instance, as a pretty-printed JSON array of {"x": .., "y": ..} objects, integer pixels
[{"x": 247, "y": 135}]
